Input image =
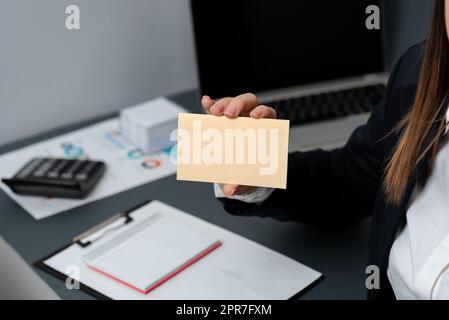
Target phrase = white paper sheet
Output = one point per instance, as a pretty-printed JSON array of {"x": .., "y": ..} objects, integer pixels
[
  {"x": 239, "y": 269},
  {"x": 127, "y": 166}
]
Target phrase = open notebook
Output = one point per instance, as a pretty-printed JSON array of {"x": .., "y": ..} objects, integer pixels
[{"x": 151, "y": 252}]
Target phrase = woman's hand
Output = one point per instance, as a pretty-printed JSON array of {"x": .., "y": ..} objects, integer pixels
[{"x": 244, "y": 105}]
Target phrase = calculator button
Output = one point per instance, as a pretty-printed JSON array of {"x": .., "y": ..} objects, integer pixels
[
  {"x": 73, "y": 167},
  {"x": 62, "y": 164},
  {"x": 81, "y": 176},
  {"x": 56, "y": 170},
  {"x": 25, "y": 172},
  {"x": 85, "y": 171},
  {"x": 53, "y": 174},
  {"x": 67, "y": 175},
  {"x": 42, "y": 170}
]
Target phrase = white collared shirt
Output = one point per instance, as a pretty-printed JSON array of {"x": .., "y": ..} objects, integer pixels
[{"x": 419, "y": 258}]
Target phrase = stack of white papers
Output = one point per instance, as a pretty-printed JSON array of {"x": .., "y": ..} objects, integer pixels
[{"x": 150, "y": 124}]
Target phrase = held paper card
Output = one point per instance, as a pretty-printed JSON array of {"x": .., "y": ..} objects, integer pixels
[{"x": 241, "y": 151}]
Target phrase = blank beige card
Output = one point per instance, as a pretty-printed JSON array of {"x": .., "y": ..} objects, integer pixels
[{"x": 241, "y": 151}]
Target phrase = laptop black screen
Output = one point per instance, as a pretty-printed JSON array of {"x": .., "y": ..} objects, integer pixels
[{"x": 259, "y": 45}]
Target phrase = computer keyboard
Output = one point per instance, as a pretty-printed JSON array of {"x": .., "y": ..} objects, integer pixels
[{"x": 329, "y": 105}]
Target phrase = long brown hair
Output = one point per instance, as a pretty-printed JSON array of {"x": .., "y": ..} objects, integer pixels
[{"x": 426, "y": 110}]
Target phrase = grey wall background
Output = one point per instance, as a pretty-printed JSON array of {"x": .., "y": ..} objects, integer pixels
[{"x": 127, "y": 51}]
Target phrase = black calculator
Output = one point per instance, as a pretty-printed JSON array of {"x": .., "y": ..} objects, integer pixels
[{"x": 55, "y": 177}]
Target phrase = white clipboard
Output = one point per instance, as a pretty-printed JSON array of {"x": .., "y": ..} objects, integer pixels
[{"x": 240, "y": 270}]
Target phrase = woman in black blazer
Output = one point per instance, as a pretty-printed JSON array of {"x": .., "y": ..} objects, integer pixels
[{"x": 375, "y": 173}]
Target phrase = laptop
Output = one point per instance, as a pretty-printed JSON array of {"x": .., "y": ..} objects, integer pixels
[{"x": 314, "y": 61}]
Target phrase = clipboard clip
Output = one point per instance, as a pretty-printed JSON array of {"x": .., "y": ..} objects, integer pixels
[{"x": 112, "y": 224}]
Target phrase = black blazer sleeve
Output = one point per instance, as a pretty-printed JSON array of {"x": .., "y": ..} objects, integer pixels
[{"x": 339, "y": 186}]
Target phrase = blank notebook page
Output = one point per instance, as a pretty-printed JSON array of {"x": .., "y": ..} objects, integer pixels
[{"x": 146, "y": 255}]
